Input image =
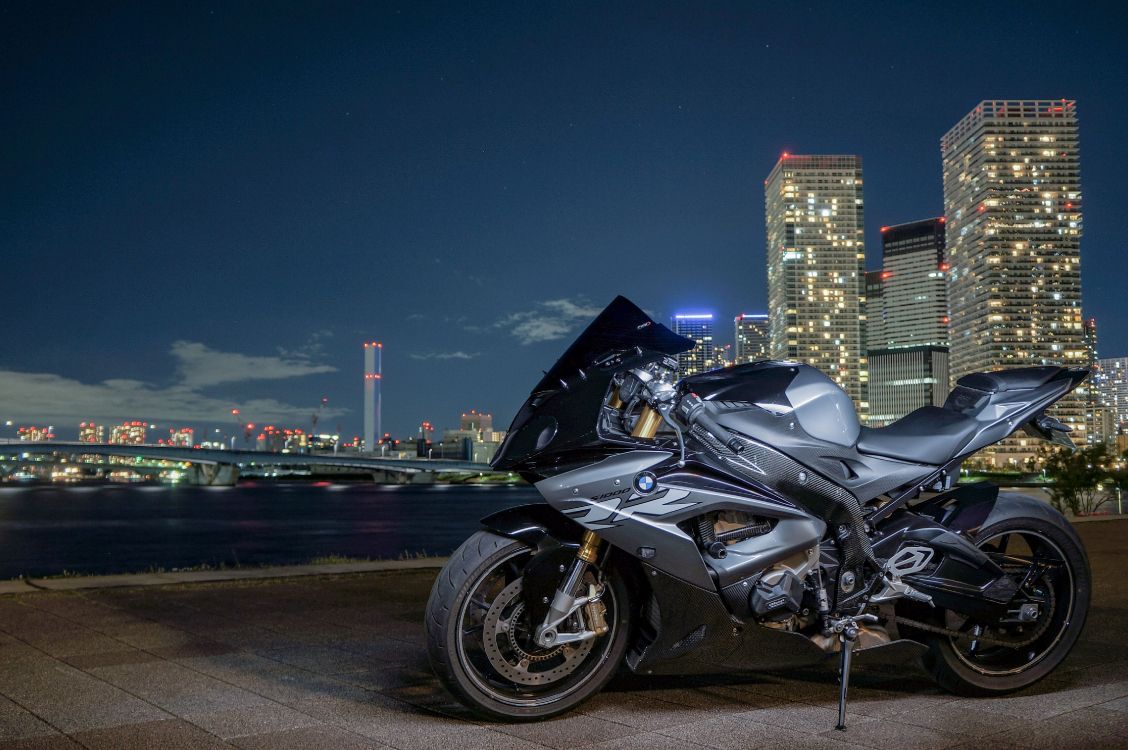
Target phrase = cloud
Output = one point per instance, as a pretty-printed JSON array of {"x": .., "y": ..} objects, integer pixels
[
  {"x": 446, "y": 355},
  {"x": 313, "y": 347},
  {"x": 550, "y": 320},
  {"x": 57, "y": 399},
  {"x": 199, "y": 366}
]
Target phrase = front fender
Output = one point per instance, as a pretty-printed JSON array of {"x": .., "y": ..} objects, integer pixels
[
  {"x": 554, "y": 539},
  {"x": 534, "y": 524}
]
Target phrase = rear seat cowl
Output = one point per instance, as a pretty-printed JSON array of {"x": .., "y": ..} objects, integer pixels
[{"x": 1017, "y": 379}]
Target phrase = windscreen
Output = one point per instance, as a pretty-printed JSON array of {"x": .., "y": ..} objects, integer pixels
[
  {"x": 562, "y": 413},
  {"x": 622, "y": 325}
]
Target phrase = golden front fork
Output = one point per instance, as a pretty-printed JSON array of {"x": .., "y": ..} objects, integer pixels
[
  {"x": 589, "y": 549},
  {"x": 647, "y": 425}
]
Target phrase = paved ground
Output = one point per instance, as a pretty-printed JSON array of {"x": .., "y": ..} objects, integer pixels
[{"x": 339, "y": 662}]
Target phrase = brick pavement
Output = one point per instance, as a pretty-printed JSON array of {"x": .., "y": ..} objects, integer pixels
[{"x": 339, "y": 662}]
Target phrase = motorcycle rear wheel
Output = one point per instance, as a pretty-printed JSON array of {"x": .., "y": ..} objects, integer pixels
[
  {"x": 1056, "y": 576},
  {"x": 479, "y": 645}
]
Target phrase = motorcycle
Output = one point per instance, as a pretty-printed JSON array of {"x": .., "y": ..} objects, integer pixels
[{"x": 742, "y": 519}]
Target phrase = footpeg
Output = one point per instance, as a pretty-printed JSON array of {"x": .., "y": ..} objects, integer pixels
[{"x": 895, "y": 588}]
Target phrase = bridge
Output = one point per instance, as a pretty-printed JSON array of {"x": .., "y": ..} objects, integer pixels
[{"x": 212, "y": 466}]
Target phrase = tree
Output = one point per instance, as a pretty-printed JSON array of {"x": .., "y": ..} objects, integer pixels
[{"x": 1076, "y": 479}]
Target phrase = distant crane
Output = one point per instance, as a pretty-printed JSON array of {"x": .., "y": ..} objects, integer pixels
[{"x": 317, "y": 414}]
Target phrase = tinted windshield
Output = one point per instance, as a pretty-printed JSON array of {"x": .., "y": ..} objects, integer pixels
[
  {"x": 622, "y": 325},
  {"x": 562, "y": 413}
]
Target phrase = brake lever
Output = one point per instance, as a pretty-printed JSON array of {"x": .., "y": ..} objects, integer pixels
[{"x": 677, "y": 431}]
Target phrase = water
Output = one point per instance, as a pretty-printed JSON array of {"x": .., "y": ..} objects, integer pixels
[{"x": 123, "y": 528}]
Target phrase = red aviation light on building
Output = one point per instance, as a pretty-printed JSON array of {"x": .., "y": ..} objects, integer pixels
[
  {"x": 945, "y": 320},
  {"x": 982, "y": 208},
  {"x": 944, "y": 266},
  {"x": 886, "y": 274},
  {"x": 235, "y": 411},
  {"x": 250, "y": 425},
  {"x": 885, "y": 229},
  {"x": 942, "y": 220}
]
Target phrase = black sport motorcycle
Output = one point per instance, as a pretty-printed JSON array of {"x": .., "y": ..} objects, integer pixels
[{"x": 742, "y": 519}]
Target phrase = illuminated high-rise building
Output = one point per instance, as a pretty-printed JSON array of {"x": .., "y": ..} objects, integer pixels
[
  {"x": 128, "y": 433},
  {"x": 914, "y": 285},
  {"x": 699, "y": 327},
  {"x": 873, "y": 322},
  {"x": 907, "y": 322},
  {"x": 1012, "y": 200},
  {"x": 1111, "y": 386},
  {"x": 88, "y": 432},
  {"x": 816, "y": 266},
  {"x": 753, "y": 338}
]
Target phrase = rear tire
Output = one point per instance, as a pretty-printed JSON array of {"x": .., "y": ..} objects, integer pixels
[
  {"x": 485, "y": 570},
  {"x": 995, "y": 670}
]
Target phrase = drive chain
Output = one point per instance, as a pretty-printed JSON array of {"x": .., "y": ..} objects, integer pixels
[{"x": 954, "y": 633}]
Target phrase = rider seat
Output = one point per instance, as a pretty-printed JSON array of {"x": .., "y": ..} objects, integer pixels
[
  {"x": 934, "y": 435},
  {"x": 930, "y": 435}
]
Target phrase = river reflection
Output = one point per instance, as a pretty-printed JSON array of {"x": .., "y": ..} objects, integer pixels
[{"x": 124, "y": 528}]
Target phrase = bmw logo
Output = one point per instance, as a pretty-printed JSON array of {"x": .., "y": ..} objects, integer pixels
[{"x": 645, "y": 482}]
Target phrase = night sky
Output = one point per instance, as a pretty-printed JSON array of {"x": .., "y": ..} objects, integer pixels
[{"x": 208, "y": 206}]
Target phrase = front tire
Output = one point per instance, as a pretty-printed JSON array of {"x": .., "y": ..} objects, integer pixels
[
  {"x": 479, "y": 646},
  {"x": 1062, "y": 591}
]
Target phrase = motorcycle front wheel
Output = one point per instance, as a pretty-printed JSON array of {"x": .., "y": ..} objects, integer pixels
[{"x": 479, "y": 638}]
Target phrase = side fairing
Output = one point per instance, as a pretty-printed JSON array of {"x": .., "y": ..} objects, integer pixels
[{"x": 637, "y": 500}]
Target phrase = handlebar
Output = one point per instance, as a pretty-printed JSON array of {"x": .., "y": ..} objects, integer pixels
[{"x": 693, "y": 411}]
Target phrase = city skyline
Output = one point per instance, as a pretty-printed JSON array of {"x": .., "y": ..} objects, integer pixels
[{"x": 205, "y": 220}]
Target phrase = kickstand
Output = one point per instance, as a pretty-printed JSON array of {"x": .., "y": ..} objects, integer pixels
[{"x": 848, "y": 635}]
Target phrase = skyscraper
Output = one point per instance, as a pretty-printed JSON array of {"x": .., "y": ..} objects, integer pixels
[
  {"x": 1012, "y": 199},
  {"x": 698, "y": 327},
  {"x": 753, "y": 338},
  {"x": 873, "y": 323},
  {"x": 1112, "y": 393},
  {"x": 373, "y": 374},
  {"x": 816, "y": 265},
  {"x": 907, "y": 321},
  {"x": 914, "y": 293}
]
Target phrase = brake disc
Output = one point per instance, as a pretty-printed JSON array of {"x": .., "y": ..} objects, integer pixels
[{"x": 513, "y": 661}]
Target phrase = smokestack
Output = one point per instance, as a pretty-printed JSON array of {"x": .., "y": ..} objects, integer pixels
[{"x": 373, "y": 367}]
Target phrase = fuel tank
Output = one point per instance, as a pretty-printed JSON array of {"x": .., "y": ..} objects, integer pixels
[{"x": 771, "y": 400}]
